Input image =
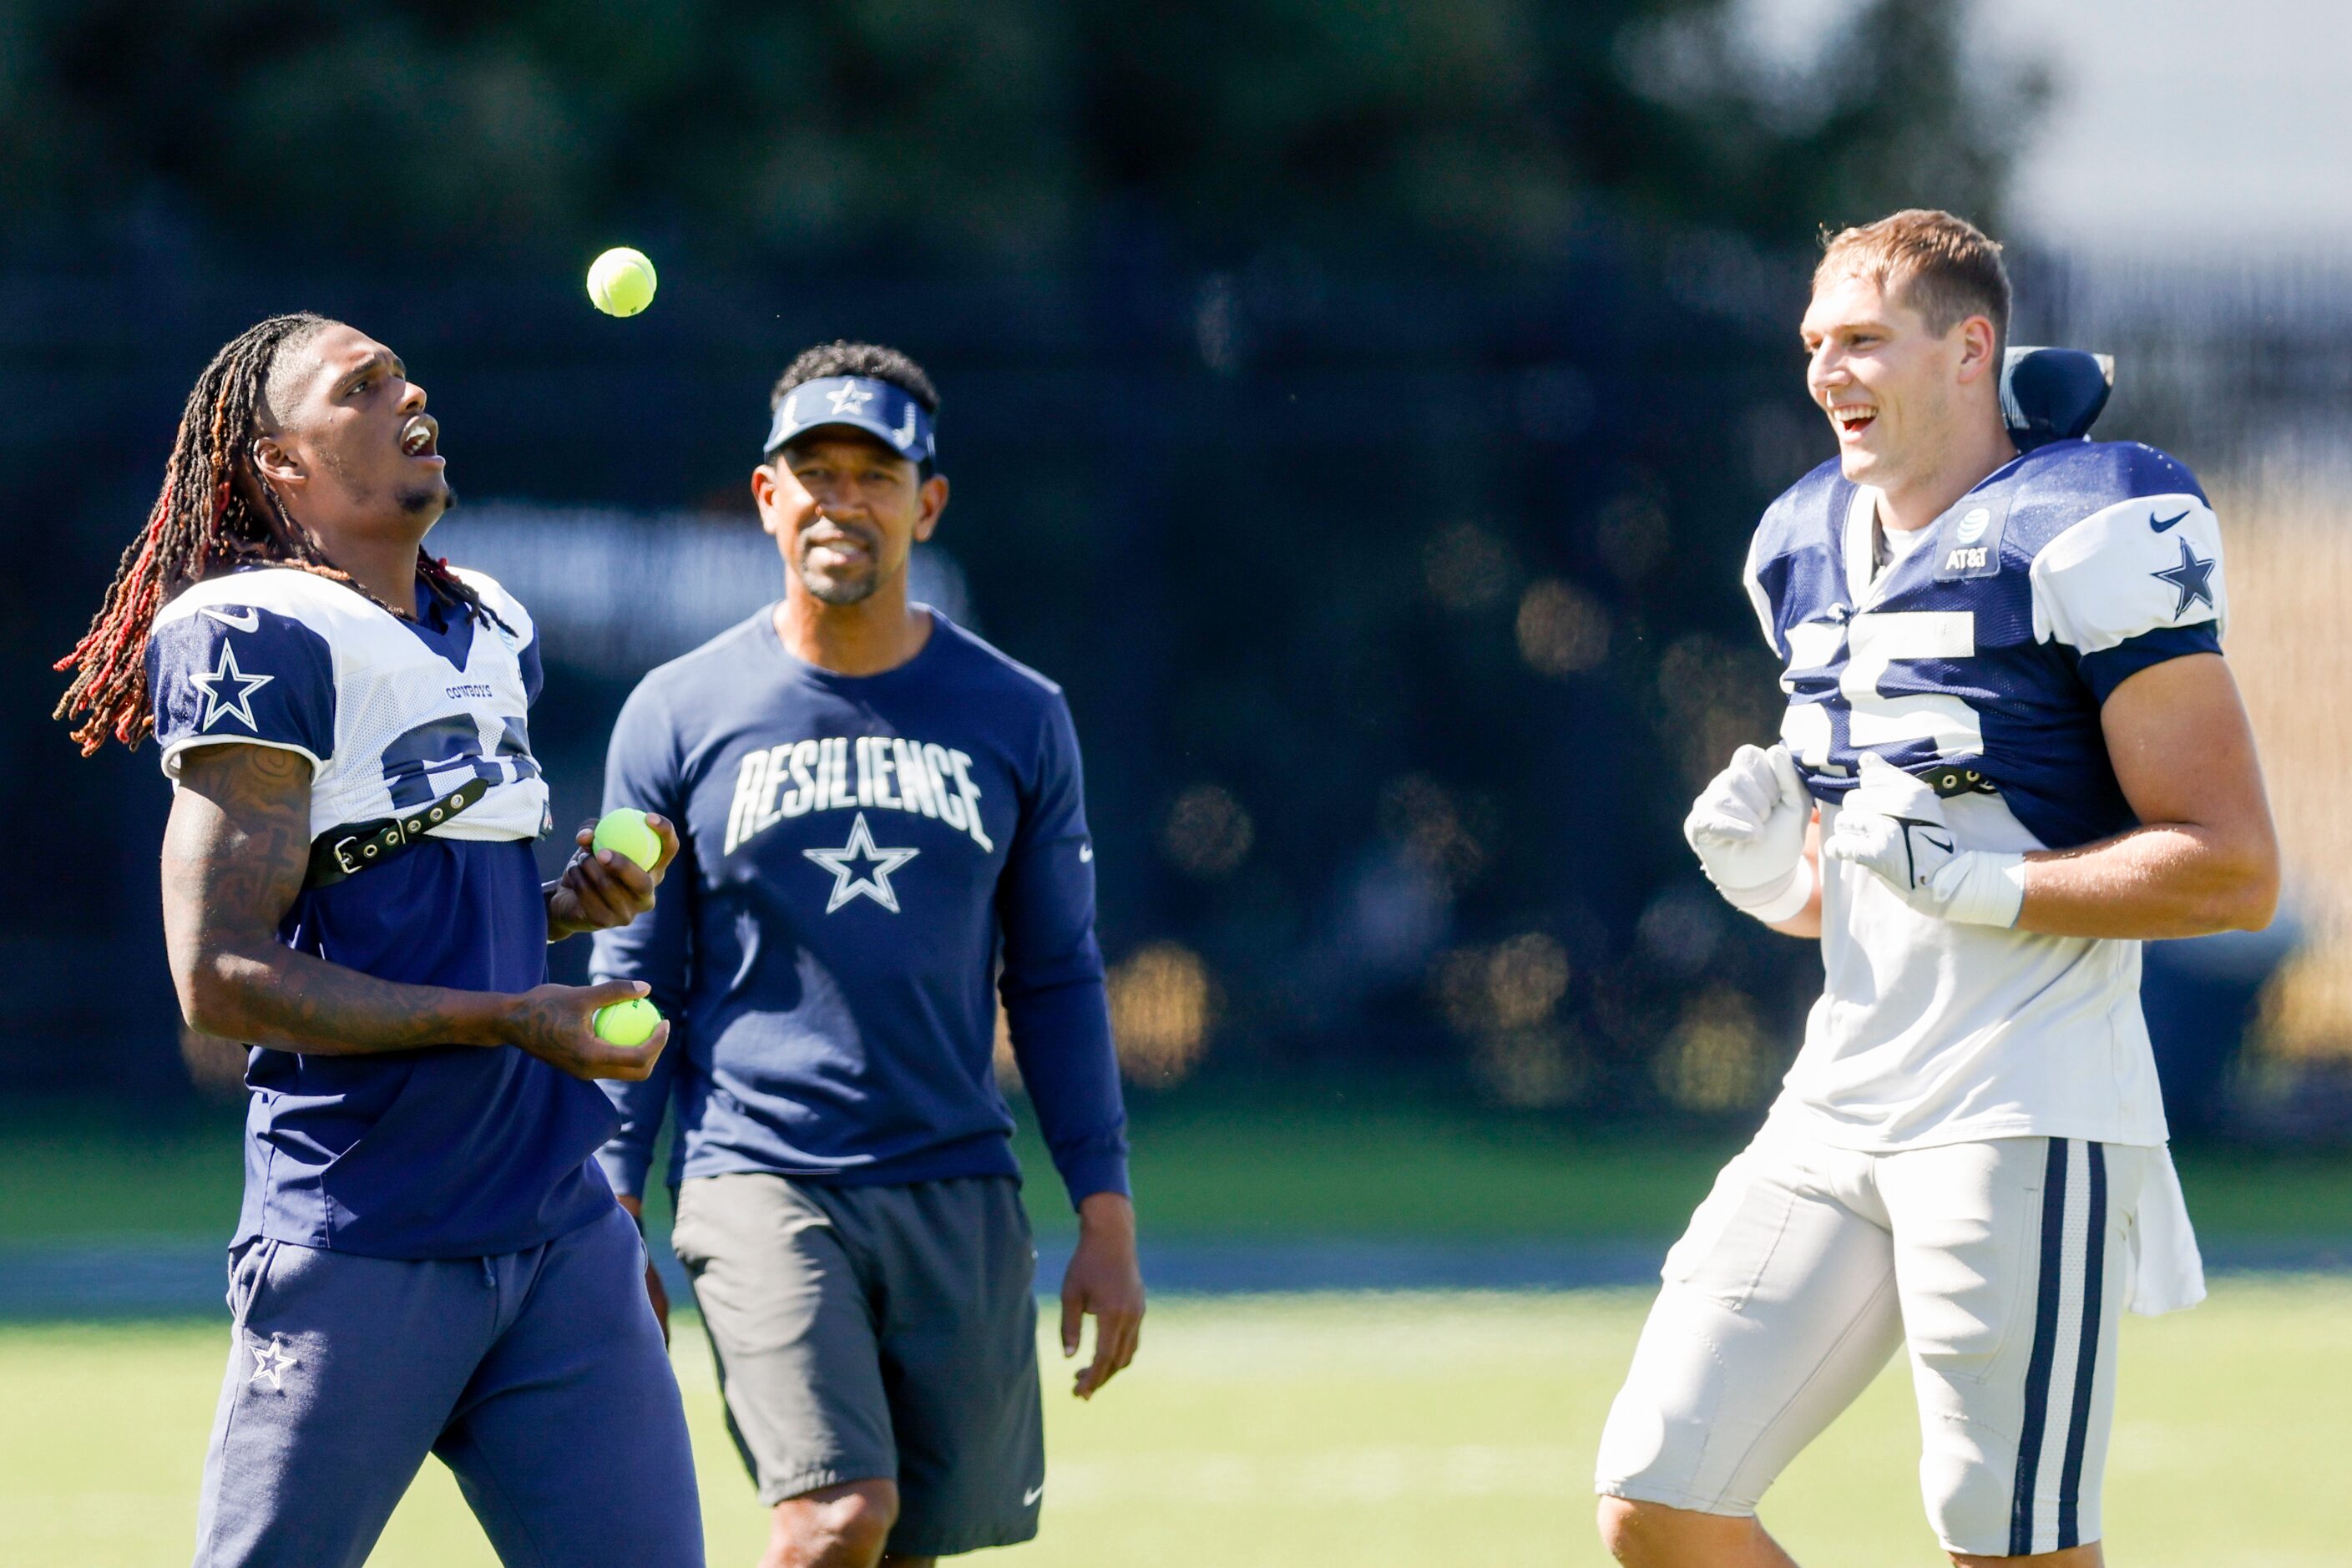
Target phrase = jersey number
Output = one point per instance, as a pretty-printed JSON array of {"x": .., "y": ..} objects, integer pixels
[
  {"x": 1874, "y": 641},
  {"x": 453, "y": 743}
]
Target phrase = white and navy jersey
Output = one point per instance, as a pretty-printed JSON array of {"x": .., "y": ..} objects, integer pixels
[
  {"x": 444, "y": 1151},
  {"x": 391, "y": 713},
  {"x": 1979, "y": 660}
]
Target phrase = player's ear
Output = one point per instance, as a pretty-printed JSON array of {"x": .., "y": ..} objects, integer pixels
[
  {"x": 274, "y": 463},
  {"x": 1978, "y": 348},
  {"x": 763, "y": 496},
  {"x": 932, "y": 501}
]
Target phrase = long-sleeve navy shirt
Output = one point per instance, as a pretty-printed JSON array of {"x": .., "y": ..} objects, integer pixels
[{"x": 867, "y": 862}]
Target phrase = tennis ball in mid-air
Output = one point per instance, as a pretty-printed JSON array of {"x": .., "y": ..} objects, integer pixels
[
  {"x": 629, "y": 1023},
  {"x": 620, "y": 282},
  {"x": 625, "y": 832}
]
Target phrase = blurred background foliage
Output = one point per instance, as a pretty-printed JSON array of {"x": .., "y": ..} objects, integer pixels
[
  {"x": 906, "y": 134},
  {"x": 1360, "y": 407}
]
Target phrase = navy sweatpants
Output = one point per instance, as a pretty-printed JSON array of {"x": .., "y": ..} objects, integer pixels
[{"x": 539, "y": 1377}]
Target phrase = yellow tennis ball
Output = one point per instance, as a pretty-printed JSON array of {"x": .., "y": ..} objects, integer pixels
[
  {"x": 620, "y": 282},
  {"x": 629, "y": 1023},
  {"x": 624, "y": 832}
]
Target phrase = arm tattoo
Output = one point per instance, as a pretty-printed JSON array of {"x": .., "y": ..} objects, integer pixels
[{"x": 236, "y": 853}]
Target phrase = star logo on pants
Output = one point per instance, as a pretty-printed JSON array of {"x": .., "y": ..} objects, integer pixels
[
  {"x": 270, "y": 1360},
  {"x": 875, "y": 884}
]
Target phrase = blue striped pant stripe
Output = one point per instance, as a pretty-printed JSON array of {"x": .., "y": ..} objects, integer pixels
[
  {"x": 2087, "y": 1364},
  {"x": 2045, "y": 1351},
  {"x": 2051, "y": 1328}
]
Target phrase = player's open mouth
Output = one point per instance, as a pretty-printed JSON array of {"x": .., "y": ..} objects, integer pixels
[
  {"x": 837, "y": 548},
  {"x": 1853, "y": 418},
  {"x": 420, "y": 437}
]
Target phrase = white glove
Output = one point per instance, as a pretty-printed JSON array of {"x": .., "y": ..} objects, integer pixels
[
  {"x": 1748, "y": 827},
  {"x": 1893, "y": 826}
]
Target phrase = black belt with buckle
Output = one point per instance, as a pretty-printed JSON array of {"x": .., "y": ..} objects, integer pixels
[
  {"x": 1947, "y": 781},
  {"x": 356, "y": 847}
]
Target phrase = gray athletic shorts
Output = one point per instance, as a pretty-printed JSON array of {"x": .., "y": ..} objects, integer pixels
[{"x": 878, "y": 1332}]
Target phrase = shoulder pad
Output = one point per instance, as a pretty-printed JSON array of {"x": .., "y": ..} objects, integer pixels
[
  {"x": 248, "y": 658},
  {"x": 2059, "y": 485},
  {"x": 494, "y": 594},
  {"x": 2147, "y": 564},
  {"x": 1801, "y": 510},
  {"x": 1809, "y": 515},
  {"x": 288, "y": 591}
]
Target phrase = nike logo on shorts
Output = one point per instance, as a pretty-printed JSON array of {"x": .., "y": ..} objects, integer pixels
[{"x": 1033, "y": 1494}]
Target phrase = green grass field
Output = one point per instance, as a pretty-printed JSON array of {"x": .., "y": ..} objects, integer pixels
[
  {"x": 1365, "y": 1429},
  {"x": 1287, "y": 1430},
  {"x": 1222, "y": 1165}
]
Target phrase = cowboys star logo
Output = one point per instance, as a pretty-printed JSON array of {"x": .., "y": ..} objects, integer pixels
[
  {"x": 849, "y": 399},
  {"x": 271, "y": 1361},
  {"x": 239, "y": 706},
  {"x": 875, "y": 884}
]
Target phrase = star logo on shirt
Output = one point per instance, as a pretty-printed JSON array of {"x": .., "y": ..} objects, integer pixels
[
  {"x": 849, "y": 399},
  {"x": 875, "y": 884},
  {"x": 270, "y": 1360},
  {"x": 239, "y": 706},
  {"x": 2192, "y": 577}
]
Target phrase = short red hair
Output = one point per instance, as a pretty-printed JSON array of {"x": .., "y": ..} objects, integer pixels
[{"x": 1943, "y": 267}]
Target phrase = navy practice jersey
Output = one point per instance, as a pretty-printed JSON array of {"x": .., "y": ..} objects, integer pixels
[
  {"x": 1978, "y": 659},
  {"x": 1991, "y": 647},
  {"x": 439, "y": 1153},
  {"x": 859, "y": 855}
]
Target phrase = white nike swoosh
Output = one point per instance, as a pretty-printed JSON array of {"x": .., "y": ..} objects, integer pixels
[
  {"x": 1086, "y": 853},
  {"x": 250, "y": 621},
  {"x": 1032, "y": 1495}
]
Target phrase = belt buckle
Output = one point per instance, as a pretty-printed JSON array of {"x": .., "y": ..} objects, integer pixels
[
  {"x": 1948, "y": 782},
  {"x": 349, "y": 864}
]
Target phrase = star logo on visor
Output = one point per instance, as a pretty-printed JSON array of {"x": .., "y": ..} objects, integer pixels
[
  {"x": 851, "y": 399},
  {"x": 873, "y": 884},
  {"x": 238, "y": 705},
  {"x": 2193, "y": 577}
]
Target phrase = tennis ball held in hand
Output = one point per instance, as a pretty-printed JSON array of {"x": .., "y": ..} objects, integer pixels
[
  {"x": 620, "y": 282},
  {"x": 625, "y": 832},
  {"x": 629, "y": 1023}
]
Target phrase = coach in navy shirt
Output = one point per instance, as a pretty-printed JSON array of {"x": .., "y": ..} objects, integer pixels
[{"x": 884, "y": 832}]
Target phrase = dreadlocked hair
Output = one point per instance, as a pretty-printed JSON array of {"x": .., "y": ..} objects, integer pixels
[{"x": 215, "y": 513}]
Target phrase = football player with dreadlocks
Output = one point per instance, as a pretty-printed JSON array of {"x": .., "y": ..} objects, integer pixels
[{"x": 429, "y": 1260}]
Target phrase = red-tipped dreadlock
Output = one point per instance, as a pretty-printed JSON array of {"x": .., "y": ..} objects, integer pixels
[{"x": 215, "y": 512}]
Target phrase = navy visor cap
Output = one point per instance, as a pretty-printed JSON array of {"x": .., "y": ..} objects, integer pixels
[{"x": 880, "y": 408}]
